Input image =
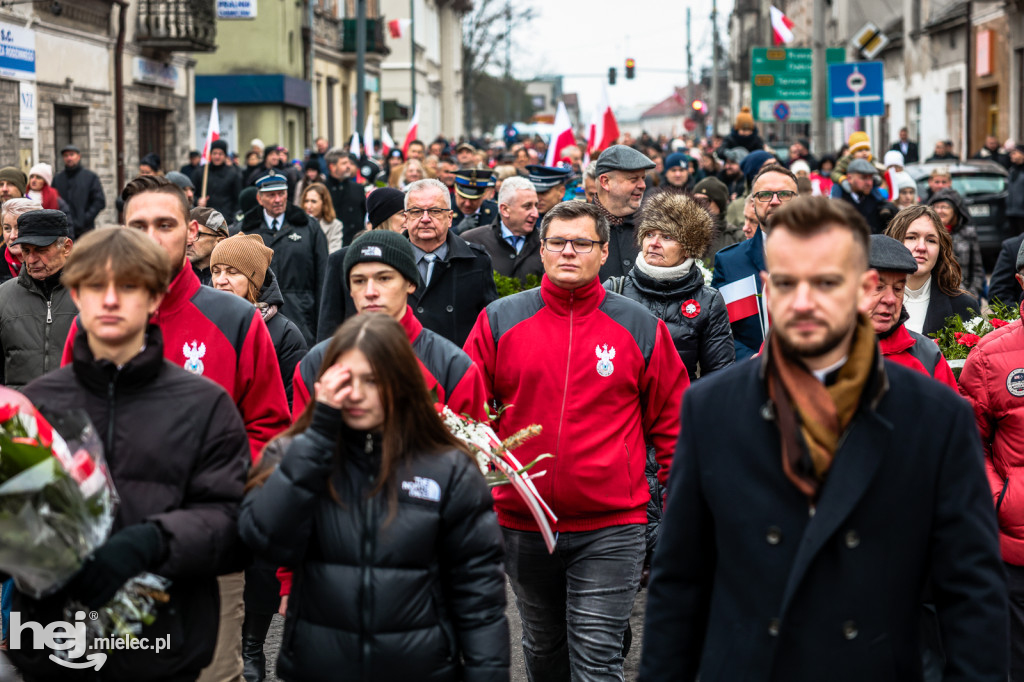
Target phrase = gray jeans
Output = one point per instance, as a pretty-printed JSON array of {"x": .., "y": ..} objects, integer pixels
[{"x": 575, "y": 603}]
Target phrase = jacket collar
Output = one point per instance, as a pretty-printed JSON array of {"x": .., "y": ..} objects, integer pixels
[
  {"x": 580, "y": 301},
  {"x": 410, "y": 324},
  {"x": 755, "y": 251},
  {"x": 896, "y": 342},
  {"x": 183, "y": 288},
  {"x": 98, "y": 375},
  {"x": 687, "y": 285},
  {"x": 458, "y": 247}
]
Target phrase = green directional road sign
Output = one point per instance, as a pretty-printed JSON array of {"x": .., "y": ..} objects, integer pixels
[{"x": 781, "y": 82}]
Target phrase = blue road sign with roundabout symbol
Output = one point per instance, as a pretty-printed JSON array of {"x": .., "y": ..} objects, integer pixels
[{"x": 781, "y": 111}]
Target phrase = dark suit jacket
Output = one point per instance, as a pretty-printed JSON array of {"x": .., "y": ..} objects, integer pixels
[
  {"x": 504, "y": 258},
  {"x": 748, "y": 585},
  {"x": 1003, "y": 285},
  {"x": 911, "y": 155},
  {"x": 732, "y": 264}
]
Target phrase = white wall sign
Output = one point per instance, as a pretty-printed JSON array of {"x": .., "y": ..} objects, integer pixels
[
  {"x": 17, "y": 52},
  {"x": 236, "y": 9},
  {"x": 154, "y": 73},
  {"x": 27, "y": 124}
]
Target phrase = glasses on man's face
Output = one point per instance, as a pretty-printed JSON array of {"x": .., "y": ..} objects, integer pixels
[
  {"x": 205, "y": 234},
  {"x": 784, "y": 196},
  {"x": 557, "y": 244},
  {"x": 435, "y": 214}
]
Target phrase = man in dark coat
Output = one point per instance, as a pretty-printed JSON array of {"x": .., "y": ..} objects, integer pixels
[
  {"x": 223, "y": 182},
  {"x": 1002, "y": 286},
  {"x": 347, "y": 195},
  {"x": 180, "y": 492},
  {"x": 81, "y": 188},
  {"x": 472, "y": 207},
  {"x": 804, "y": 523},
  {"x": 860, "y": 192},
  {"x": 514, "y": 243},
  {"x": 621, "y": 173},
  {"x": 773, "y": 186},
  {"x": 906, "y": 147},
  {"x": 457, "y": 277},
  {"x": 300, "y": 251}
]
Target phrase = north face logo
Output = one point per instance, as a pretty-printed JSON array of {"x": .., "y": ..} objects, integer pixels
[{"x": 423, "y": 489}]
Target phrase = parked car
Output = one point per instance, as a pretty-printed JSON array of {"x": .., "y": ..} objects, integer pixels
[{"x": 982, "y": 184}]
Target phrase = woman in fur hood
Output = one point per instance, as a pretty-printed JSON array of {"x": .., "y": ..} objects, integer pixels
[{"x": 674, "y": 231}]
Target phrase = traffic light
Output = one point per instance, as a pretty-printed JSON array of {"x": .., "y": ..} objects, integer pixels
[
  {"x": 630, "y": 67},
  {"x": 611, "y": 75},
  {"x": 698, "y": 106}
]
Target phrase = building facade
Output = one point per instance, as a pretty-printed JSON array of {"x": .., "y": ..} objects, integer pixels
[{"x": 59, "y": 83}]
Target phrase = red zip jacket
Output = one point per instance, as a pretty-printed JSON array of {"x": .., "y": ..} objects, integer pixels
[
  {"x": 917, "y": 352},
  {"x": 223, "y": 338},
  {"x": 993, "y": 381},
  {"x": 600, "y": 374}
]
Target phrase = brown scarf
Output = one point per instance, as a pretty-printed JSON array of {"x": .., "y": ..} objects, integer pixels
[
  {"x": 612, "y": 220},
  {"x": 812, "y": 417}
]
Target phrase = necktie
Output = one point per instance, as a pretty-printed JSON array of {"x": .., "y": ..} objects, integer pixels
[
  {"x": 273, "y": 225},
  {"x": 429, "y": 258},
  {"x": 515, "y": 241}
]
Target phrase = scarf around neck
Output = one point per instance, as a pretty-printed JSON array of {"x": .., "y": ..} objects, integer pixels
[
  {"x": 812, "y": 417},
  {"x": 663, "y": 274},
  {"x": 612, "y": 219}
]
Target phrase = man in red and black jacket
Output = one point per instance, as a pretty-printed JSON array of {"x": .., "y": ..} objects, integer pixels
[
  {"x": 209, "y": 333},
  {"x": 894, "y": 262},
  {"x": 600, "y": 374}
]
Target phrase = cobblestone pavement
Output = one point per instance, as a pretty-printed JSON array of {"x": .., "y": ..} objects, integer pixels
[{"x": 631, "y": 667}]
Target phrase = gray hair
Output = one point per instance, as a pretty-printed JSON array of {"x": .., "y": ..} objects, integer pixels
[
  {"x": 571, "y": 210},
  {"x": 334, "y": 154},
  {"x": 19, "y": 207},
  {"x": 512, "y": 185},
  {"x": 425, "y": 184},
  {"x": 591, "y": 170}
]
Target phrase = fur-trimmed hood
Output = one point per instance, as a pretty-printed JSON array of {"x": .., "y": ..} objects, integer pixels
[{"x": 680, "y": 217}]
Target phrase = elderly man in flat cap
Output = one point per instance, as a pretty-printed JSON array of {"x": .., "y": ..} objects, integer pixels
[
  {"x": 213, "y": 229},
  {"x": 620, "y": 189},
  {"x": 36, "y": 310}
]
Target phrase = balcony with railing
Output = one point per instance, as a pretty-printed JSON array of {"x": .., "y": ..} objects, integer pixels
[
  {"x": 375, "y": 42},
  {"x": 177, "y": 25}
]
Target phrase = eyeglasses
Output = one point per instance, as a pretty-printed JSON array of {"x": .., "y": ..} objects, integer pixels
[
  {"x": 784, "y": 196},
  {"x": 557, "y": 244},
  {"x": 435, "y": 213},
  {"x": 202, "y": 234}
]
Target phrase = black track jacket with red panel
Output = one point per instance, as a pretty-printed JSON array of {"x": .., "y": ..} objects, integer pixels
[
  {"x": 601, "y": 376},
  {"x": 222, "y": 337}
]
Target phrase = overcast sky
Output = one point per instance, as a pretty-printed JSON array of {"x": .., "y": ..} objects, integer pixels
[{"x": 579, "y": 38}]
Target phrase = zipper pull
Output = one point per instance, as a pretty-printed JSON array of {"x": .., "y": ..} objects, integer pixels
[{"x": 49, "y": 317}]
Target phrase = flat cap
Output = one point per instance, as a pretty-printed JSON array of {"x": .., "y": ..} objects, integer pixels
[
  {"x": 210, "y": 218},
  {"x": 70, "y": 148},
  {"x": 889, "y": 255},
  {"x": 545, "y": 178},
  {"x": 180, "y": 179},
  {"x": 861, "y": 167},
  {"x": 619, "y": 157},
  {"x": 41, "y": 228}
]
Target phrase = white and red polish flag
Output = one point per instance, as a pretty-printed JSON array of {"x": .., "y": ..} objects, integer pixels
[
  {"x": 604, "y": 127},
  {"x": 213, "y": 134},
  {"x": 368, "y": 137},
  {"x": 562, "y": 136},
  {"x": 414, "y": 127},
  {"x": 354, "y": 147},
  {"x": 386, "y": 143},
  {"x": 782, "y": 27},
  {"x": 741, "y": 298},
  {"x": 399, "y": 27}
]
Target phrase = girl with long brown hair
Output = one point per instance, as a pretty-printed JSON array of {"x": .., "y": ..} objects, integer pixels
[
  {"x": 935, "y": 291},
  {"x": 387, "y": 523}
]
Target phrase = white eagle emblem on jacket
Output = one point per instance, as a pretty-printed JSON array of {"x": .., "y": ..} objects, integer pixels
[
  {"x": 604, "y": 363},
  {"x": 193, "y": 356}
]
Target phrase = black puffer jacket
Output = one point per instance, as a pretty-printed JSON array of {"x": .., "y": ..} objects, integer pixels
[
  {"x": 223, "y": 185},
  {"x": 701, "y": 332},
  {"x": 288, "y": 341},
  {"x": 419, "y": 597},
  {"x": 178, "y": 453}
]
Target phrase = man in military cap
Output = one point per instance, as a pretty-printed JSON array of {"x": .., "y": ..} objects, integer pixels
[
  {"x": 621, "y": 173},
  {"x": 36, "y": 310},
  {"x": 550, "y": 184},
  {"x": 300, "y": 251},
  {"x": 474, "y": 208}
]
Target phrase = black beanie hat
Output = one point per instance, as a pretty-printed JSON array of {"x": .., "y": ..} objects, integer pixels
[
  {"x": 384, "y": 202},
  {"x": 382, "y": 246},
  {"x": 219, "y": 144}
]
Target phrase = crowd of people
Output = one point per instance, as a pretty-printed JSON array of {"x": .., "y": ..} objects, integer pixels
[{"x": 263, "y": 350}]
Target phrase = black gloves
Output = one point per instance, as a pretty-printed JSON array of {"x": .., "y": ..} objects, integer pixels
[{"x": 127, "y": 553}]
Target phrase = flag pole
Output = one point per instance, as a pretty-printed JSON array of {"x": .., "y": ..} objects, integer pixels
[{"x": 206, "y": 174}]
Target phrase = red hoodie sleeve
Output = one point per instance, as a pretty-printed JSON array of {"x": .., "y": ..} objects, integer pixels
[
  {"x": 259, "y": 391},
  {"x": 69, "y": 344},
  {"x": 661, "y": 394},
  {"x": 300, "y": 393},
  {"x": 482, "y": 350},
  {"x": 469, "y": 396}
]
